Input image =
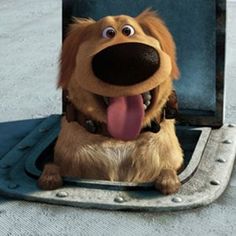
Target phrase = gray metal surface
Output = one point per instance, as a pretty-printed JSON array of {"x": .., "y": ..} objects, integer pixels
[
  {"x": 230, "y": 66},
  {"x": 206, "y": 185}
]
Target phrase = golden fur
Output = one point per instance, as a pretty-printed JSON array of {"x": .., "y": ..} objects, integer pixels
[{"x": 152, "y": 156}]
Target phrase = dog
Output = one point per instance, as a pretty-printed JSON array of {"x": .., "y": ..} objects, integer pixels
[{"x": 118, "y": 74}]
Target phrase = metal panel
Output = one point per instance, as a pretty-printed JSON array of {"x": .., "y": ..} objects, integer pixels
[{"x": 208, "y": 182}]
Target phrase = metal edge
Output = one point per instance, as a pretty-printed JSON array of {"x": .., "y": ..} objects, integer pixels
[
  {"x": 25, "y": 145},
  {"x": 18, "y": 143},
  {"x": 30, "y": 167},
  {"x": 217, "y": 119},
  {"x": 197, "y": 155}
]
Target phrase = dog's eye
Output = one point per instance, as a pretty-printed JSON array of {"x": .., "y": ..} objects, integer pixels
[
  {"x": 128, "y": 30},
  {"x": 108, "y": 32}
]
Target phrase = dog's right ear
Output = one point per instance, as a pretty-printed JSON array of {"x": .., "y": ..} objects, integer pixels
[{"x": 70, "y": 48}]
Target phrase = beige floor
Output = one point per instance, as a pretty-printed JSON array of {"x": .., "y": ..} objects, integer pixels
[{"x": 30, "y": 40}]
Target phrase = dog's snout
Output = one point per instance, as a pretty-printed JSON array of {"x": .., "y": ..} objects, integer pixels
[{"x": 126, "y": 64}]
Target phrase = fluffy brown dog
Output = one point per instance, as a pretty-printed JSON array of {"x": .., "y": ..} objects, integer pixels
[{"x": 118, "y": 72}]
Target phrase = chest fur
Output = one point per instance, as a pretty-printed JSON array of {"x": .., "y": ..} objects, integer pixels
[{"x": 99, "y": 157}]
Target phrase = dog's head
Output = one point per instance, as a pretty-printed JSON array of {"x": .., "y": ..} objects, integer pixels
[{"x": 119, "y": 70}]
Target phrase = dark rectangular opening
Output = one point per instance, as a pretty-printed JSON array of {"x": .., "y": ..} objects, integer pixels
[{"x": 200, "y": 37}]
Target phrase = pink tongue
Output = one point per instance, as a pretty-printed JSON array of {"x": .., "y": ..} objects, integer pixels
[{"x": 125, "y": 116}]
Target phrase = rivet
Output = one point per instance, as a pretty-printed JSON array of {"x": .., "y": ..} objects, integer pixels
[
  {"x": 231, "y": 126},
  {"x": 227, "y": 141},
  {"x": 119, "y": 199},
  {"x": 176, "y": 199},
  {"x": 23, "y": 147},
  {"x": 215, "y": 182},
  {"x": 62, "y": 194},
  {"x": 13, "y": 186},
  {"x": 221, "y": 160}
]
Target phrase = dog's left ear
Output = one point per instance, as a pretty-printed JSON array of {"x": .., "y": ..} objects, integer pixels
[
  {"x": 70, "y": 48},
  {"x": 152, "y": 25}
]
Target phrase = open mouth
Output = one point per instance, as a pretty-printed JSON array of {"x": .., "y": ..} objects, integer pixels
[
  {"x": 147, "y": 100},
  {"x": 125, "y": 114}
]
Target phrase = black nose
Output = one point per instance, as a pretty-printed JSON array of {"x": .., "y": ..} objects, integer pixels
[{"x": 126, "y": 63}]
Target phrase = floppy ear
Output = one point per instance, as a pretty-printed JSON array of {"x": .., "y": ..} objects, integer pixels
[
  {"x": 155, "y": 27},
  {"x": 70, "y": 48}
]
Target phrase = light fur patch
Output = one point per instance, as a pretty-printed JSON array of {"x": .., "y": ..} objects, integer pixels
[{"x": 113, "y": 154}]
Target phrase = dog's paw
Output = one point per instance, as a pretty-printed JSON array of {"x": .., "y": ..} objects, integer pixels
[
  {"x": 50, "y": 178},
  {"x": 167, "y": 182}
]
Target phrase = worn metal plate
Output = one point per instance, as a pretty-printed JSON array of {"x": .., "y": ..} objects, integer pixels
[{"x": 208, "y": 182}]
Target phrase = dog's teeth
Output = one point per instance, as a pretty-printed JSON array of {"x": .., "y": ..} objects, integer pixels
[
  {"x": 147, "y": 96},
  {"x": 147, "y": 103},
  {"x": 144, "y": 106}
]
